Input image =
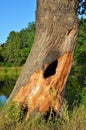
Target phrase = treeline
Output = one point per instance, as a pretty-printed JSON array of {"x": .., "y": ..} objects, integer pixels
[{"x": 17, "y": 46}]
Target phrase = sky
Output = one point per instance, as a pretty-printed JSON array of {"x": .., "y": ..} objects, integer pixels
[{"x": 15, "y": 15}]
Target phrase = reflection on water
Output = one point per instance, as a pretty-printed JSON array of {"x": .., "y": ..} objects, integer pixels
[
  {"x": 8, "y": 77},
  {"x": 2, "y": 99},
  {"x": 6, "y": 87}
]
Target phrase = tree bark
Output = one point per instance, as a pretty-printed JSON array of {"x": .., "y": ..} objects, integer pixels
[{"x": 47, "y": 67}]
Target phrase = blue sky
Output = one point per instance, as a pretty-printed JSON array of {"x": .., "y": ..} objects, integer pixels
[{"x": 15, "y": 15}]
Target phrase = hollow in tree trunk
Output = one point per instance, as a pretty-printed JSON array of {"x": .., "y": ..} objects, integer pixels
[{"x": 46, "y": 70}]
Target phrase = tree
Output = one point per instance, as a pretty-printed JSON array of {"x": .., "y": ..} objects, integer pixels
[
  {"x": 17, "y": 46},
  {"x": 44, "y": 75},
  {"x": 82, "y": 7}
]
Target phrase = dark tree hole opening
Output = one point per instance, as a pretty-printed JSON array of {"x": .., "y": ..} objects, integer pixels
[{"x": 51, "y": 69}]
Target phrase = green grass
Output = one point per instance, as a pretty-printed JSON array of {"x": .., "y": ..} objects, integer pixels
[{"x": 12, "y": 118}]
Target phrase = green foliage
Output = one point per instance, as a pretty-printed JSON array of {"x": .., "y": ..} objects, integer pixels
[
  {"x": 83, "y": 96},
  {"x": 17, "y": 46},
  {"x": 76, "y": 85}
]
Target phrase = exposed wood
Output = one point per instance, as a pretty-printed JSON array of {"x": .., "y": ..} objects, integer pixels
[
  {"x": 47, "y": 67},
  {"x": 44, "y": 91}
]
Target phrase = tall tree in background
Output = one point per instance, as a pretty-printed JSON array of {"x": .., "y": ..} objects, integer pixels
[
  {"x": 17, "y": 46},
  {"x": 42, "y": 80}
]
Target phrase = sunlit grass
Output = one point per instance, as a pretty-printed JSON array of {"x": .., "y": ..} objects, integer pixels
[{"x": 12, "y": 118}]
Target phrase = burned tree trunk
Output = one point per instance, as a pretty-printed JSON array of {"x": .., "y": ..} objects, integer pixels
[{"x": 46, "y": 70}]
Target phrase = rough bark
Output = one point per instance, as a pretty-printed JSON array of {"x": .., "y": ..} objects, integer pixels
[{"x": 47, "y": 67}]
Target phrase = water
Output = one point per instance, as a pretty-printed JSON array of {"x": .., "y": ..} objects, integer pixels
[
  {"x": 6, "y": 87},
  {"x": 8, "y": 77},
  {"x": 3, "y": 99}
]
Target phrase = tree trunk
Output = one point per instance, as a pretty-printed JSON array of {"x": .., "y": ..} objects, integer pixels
[{"x": 45, "y": 72}]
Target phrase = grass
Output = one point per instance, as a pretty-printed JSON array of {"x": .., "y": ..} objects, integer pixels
[
  {"x": 77, "y": 119},
  {"x": 12, "y": 118}
]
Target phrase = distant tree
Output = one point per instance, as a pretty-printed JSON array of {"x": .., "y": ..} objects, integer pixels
[
  {"x": 82, "y": 7},
  {"x": 11, "y": 48},
  {"x": 17, "y": 46}
]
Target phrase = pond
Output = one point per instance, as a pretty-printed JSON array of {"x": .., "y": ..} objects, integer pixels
[
  {"x": 8, "y": 77},
  {"x": 6, "y": 87}
]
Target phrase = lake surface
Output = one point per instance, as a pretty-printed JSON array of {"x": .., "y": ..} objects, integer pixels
[
  {"x": 6, "y": 88},
  {"x": 8, "y": 79},
  {"x": 3, "y": 99}
]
